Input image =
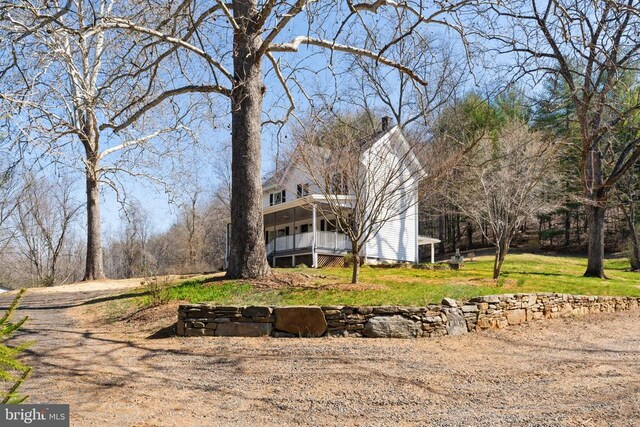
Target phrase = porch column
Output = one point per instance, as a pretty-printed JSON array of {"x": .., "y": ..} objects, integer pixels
[
  {"x": 314, "y": 255},
  {"x": 293, "y": 257},
  {"x": 433, "y": 253},
  {"x": 275, "y": 241}
]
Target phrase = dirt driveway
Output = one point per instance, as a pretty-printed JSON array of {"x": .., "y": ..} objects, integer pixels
[{"x": 566, "y": 372}]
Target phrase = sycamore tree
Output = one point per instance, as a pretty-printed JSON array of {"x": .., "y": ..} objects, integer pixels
[
  {"x": 242, "y": 50},
  {"x": 63, "y": 73}
]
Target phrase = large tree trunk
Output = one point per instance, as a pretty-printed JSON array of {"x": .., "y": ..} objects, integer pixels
[
  {"x": 90, "y": 140},
  {"x": 595, "y": 193},
  {"x": 247, "y": 255},
  {"x": 95, "y": 265},
  {"x": 595, "y": 262},
  {"x": 630, "y": 216}
]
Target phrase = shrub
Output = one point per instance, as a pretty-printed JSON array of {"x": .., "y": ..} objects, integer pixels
[
  {"x": 12, "y": 370},
  {"x": 155, "y": 287}
]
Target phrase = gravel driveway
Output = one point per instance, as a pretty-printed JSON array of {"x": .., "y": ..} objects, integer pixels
[{"x": 578, "y": 372}]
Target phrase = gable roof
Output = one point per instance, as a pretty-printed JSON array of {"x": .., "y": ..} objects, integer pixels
[{"x": 279, "y": 175}]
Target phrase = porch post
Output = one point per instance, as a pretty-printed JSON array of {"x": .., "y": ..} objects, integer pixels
[
  {"x": 314, "y": 255},
  {"x": 275, "y": 241},
  {"x": 293, "y": 257},
  {"x": 433, "y": 253}
]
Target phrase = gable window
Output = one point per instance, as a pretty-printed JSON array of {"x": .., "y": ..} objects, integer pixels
[
  {"x": 302, "y": 190},
  {"x": 338, "y": 184},
  {"x": 277, "y": 198}
]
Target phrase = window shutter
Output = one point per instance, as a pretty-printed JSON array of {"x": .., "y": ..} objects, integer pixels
[
  {"x": 270, "y": 199},
  {"x": 299, "y": 189},
  {"x": 284, "y": 196},
  {"x": 286, "y": 231},
  {"x": 322, "y": 225}
]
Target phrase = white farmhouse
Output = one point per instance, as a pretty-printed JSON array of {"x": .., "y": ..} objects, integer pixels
[{"x": 298, "y": 229}]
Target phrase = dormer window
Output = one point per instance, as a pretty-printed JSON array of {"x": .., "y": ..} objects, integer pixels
[
  {"x": 302, "y": 190},
  {"x": 277, "y": 198}
]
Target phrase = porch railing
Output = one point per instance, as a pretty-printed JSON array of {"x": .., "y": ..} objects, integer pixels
[{"x": 325, "y": 240}]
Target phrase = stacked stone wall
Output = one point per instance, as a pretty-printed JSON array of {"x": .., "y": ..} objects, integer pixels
[{"x": 450, "y": 317}]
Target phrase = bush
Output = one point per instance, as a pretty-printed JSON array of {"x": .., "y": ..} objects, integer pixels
[
  {"x": 12, "y": 371},
  {"x": 155, "y": 287}
]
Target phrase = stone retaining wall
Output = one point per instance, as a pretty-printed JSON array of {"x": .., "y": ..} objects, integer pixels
[{"x": 448, "y": 318}]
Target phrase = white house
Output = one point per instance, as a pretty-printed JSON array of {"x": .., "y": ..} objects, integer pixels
[{"x": 299, "y": 230}]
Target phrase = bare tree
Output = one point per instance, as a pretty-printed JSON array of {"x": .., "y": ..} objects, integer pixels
[
  {"x": 44, "y": 218},
  {"x": 593, "y": 47},
  {"x": 366, "y": 181},
  {"x": 62, "y": 72},
  {"x": 270, "y": 31},
  {"x": 127, "y": 253},
  {"x": 10, "y": 182},
  {"x": 504, "y": 182},
  {"x": 391, "y": 91}
]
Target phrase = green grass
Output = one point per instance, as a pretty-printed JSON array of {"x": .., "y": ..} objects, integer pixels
[{"x": 408, "y": 286}]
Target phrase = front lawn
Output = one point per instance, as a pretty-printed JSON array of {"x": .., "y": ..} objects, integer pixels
[{"x": 409, "y": 286}]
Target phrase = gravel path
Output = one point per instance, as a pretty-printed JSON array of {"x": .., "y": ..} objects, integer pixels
[{"x": 580, "y": 372}]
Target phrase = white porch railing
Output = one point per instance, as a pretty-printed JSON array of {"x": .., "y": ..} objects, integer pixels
[{"x": 325, "y": 240}]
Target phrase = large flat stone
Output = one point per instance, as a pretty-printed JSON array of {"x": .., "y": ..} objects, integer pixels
[
  {"x": 257, "y": 311},
  {"x": 517, "y": 316},
  {"x": 456, "y": 324},
  {"x": 301, "y": 321},
  {"x": 391, "y": 327},
  {"x": 236, "y": 329}
]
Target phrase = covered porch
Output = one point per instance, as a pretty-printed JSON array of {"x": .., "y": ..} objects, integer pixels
[{"x": 297, "y": 232}]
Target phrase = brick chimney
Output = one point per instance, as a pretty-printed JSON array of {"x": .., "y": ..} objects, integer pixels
[{"x": 386, "y": 123}]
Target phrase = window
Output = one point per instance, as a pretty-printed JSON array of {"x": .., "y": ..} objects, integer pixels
[
  {"x": 283, "y": 232},
  {"x": 304, "y": 228},
  {"x": 302, "y": 190},
  {"x": 339, "y": 184},
  {"x": 277, "y": 198}
]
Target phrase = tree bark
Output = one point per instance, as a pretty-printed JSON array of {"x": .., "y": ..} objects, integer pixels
[
  {"x": 630, "y": 216},
  {"x": 502, "y": 248},
  {"x": 595, "y": 193},
  {"x": 595, "y": 220},
  {"x": 94, "y": 268},
  {"x": 247, "y": 255},
  {"x": 355, "y": 254},
  {"x": 94, "y": 265},
  {"x": 635, "y": 247}
]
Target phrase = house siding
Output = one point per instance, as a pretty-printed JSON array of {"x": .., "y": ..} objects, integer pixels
[
  {"x": 294, "y": 177},
  {"x": 396, "y": 240}
]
